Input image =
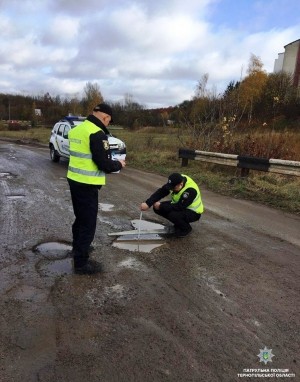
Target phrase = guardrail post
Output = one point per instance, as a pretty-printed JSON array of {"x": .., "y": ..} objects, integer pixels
[
  {"x": 185, "y": 155},
  {"x": 184, "y": 162},
  {"x": 244, "y": 172}
]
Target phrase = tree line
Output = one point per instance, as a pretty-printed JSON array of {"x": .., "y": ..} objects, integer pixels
[
  {"x": 257, "y": 99},
  {"x": 47, "y": 110}
]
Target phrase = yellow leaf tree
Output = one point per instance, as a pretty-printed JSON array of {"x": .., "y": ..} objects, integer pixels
[{"x": 252, "y": 86}]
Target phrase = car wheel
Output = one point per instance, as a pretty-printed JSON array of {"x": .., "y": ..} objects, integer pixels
[{"x": 54, "y": 155}]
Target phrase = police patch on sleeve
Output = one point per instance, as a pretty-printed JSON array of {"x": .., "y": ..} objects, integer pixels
[
  {"x": 106, "y": 145},
  {"x": 185, "y": 195}
]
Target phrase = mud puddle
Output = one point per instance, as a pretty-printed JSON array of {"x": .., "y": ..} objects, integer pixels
[
  {"x": 139, "y": 243},
  {"x": 143, "y": 238},
  {"x": 105, "y": 207},
  {"x": 55, "y": 268},
  {"x": 6, "y": 175},
  {"x": 53, "y": 250},
  {"x": 56, "y": 259},
  {"x": 137, "y": 246},
  {"x": 15, "y": 196}
]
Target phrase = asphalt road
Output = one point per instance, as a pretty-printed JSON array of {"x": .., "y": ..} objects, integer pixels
[{"x": 203, "y": 308}]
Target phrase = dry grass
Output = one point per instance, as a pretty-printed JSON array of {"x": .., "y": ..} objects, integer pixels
[
  {"x": 156, "y": 150},
  {"x": 267, "y": 144},
  {"x": 37, "y": 134}
]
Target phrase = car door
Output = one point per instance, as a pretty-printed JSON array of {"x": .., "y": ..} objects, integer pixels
[{"x": 62, "y": 139}]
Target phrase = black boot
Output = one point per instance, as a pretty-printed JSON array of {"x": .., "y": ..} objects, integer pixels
[
  {"x": 91, "y": 267},
  {"x": 183, "y": 233}
]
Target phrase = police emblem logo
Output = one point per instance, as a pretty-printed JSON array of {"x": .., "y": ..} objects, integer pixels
[
  {"x": 185, "y": 195},
  {"x": 265, "y": 355},
  {"x": 106, "y": 145}
]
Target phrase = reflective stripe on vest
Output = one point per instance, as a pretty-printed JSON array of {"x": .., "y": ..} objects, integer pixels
[
  {"x": 82, "y": 168},
  {"x": 195, "y": 208},
  {"x": 86, "y": 172},
  {"x": 80, "y": 155},
  {"x": 196, "y": 204}
]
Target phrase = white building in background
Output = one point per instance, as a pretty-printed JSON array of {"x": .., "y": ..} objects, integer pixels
[
  {"x": 289, "y": 61},
  {"x": 278, "y": 65}
]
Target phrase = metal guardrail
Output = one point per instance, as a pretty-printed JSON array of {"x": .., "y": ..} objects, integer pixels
[{"x": 245, "y": 163}]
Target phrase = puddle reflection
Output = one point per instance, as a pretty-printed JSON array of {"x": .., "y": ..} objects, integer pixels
[
  {"x": 106, "y": 207},
  {"x": 137, "y": 246},
  {"x": 6, "y": 175},
  {"x": 56, "y": 268},
  {"x": 136, "y": 243},
  {"x": 53, "y": 250},
  {"x": 15, "y": 196},
  {"x": 145, "y": 237}
]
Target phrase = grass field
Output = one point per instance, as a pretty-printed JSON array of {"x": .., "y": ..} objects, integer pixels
[{"x": 156, "y": 150}]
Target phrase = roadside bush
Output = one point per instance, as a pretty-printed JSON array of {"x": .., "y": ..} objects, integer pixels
[
  {"x": 269, "y": 145},
  {"x": 16, "y": 126},
  {"x": 3, "y": 126}
]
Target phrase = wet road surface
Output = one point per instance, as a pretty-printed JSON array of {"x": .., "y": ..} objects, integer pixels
[{"x": 195, "y": 309}]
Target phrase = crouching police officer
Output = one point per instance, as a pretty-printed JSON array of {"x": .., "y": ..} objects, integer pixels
[
  {"x": 185, "y": 206},
  {"x": 89, "y": 161}
]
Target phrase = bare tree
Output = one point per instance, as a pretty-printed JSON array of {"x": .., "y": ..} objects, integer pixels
[
  {"x": 199, "y": 118},
  {"x": 92, "y": 96}
]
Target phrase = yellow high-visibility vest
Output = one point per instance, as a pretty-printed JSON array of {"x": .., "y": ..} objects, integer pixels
[
  {"x": 82, "y": 168},
  {"x": 197, "y": 204}
]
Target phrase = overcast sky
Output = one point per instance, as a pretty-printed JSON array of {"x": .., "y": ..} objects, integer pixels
[{"x": 154, "y": 50}]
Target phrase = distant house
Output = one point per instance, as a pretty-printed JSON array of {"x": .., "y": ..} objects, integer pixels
[{"x": 289, "y": 61}]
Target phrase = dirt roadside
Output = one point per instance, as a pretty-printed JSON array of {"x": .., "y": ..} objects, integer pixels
[{"x": 194, "y": 309}]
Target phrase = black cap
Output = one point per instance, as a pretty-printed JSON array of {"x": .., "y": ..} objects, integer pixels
[
  {"x": 173, "y": 180},
  {"x": 104, "y": 108}
]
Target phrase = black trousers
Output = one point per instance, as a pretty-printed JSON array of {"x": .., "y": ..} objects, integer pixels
[
  {"x": 85, "y": 207},
  {"x": 180, "y": 219}
]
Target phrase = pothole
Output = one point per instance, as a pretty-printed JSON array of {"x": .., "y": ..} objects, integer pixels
[
  {"x": 106, "y": 207},
  {"x": 15, "y": 196},
  {"x": 55, "y": 268},
  {"x": 53, "y": 250},
  {"x": 145, "y": 237},
  {"x": 142, "y": 243},
  {"x": 6, "y": 175}
]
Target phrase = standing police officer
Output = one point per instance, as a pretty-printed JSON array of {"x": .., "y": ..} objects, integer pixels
[
  {"x": 185, "y": 206},
  {"x": 89, "y": 161}
]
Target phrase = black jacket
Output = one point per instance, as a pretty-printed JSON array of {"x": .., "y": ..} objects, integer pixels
[
  {"x": 100, "y": 148},
  {"x": 166, "y": 206}
]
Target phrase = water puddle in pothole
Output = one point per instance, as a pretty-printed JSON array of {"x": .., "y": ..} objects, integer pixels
[
  {"x": 53, "y": 250},
  {"x": 55, "y": 268},
  {"x": 145, "y": 237},
  {"x": 137, "y": 246},
  {"x": 15, "y": 196},
  {"x": 6, "y": 175},
  {"x": 106, "y": 207}
]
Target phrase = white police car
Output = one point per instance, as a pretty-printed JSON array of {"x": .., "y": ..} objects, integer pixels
[{"x": 59, "y": 142}]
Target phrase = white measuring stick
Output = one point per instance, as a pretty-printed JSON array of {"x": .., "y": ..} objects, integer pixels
[{"x": 141, "y": 215}]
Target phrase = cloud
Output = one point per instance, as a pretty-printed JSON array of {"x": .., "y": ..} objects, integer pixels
[
  {"x": 62, "y": 31},
  {"x": 154, "y": 50}
]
